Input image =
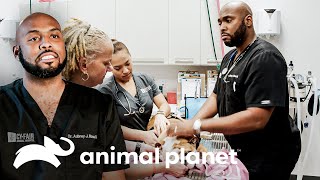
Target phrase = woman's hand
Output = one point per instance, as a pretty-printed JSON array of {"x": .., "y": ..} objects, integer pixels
[
  {"x": 150, "y": 138},
  {"x": 177, "y": 170},
  {"x": 147, "y": 148},
  {"x": 160, "y": 124}
]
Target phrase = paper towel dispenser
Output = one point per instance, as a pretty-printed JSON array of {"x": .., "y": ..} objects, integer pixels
[{"x": 268, "y": 22}]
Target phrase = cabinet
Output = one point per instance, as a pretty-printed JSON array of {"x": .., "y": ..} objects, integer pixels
[
  {"x": 207, "y": 51},
  {"x": 59, "y": 10},
  {"x": 184, "y": 32},
  {"x": 143, "y": 26},
  {"x": 100, "y": 14},
  {"x": 156, "y": 32}
]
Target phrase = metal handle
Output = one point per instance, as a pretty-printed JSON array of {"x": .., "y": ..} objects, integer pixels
[
  {"x": 148, "y": 60},
  {"x": 184, "y": 60},
  {"x": 210, "y": 60}
]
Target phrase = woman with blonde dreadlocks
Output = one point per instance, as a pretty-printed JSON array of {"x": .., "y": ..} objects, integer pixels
[
  {"x": 89, "y": 55},
  {"x": 89, "y": 52}
]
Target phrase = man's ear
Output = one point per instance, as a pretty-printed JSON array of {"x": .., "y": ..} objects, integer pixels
[
  {"x": 15, "y": 50},
  {"x": 248, "y": 20},
  {"x": 83, "y": 64}
]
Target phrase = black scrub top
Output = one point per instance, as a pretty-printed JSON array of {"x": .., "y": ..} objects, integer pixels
[
  {"x": 84, "y": 115},
  {"x": 258, "y": 80},
  {"x": 146, "y": 91}
]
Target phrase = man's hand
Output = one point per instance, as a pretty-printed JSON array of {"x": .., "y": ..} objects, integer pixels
[
  {"x": 160, "y": 124},
  {"x": 181, "y": 128}
]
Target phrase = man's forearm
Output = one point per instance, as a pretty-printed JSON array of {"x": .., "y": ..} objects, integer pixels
[{"x": 241, "y": 122}]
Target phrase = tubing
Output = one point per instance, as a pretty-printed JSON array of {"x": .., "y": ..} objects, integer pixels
[
  {"x": 296, "y": 89},
  {"x": 214, "y": 48},
  {"x": 314, "y": 113}
]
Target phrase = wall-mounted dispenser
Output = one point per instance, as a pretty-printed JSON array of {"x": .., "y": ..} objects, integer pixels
[
  {"x": 268, "y": 22},
  {"x": 8, "y": 28}
]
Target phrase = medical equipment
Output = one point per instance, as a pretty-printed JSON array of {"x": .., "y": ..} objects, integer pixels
[
  {"x": 193, "y": 105},
  {"x": 129, "y": 110},
  {"x": 304, "y": 108},
  {"x": 211, "y": 33}
]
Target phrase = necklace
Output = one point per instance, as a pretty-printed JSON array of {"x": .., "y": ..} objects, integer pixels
[
  {"x": 130, "y": 111},
  {"x": 226, "y": 71}
]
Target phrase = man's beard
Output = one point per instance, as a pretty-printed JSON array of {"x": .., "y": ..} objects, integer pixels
[
  {"x": 40, "y": 72},
  {"x": 239, "y": 36}
]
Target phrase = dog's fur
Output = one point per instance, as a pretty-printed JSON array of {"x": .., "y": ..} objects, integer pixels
[{"x": 188, "y": 143}]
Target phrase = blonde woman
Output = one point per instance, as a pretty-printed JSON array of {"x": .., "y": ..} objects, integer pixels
[{"x": 89, "y": 55}]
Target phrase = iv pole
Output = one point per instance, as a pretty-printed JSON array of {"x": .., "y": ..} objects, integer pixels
[{"x": 214, "y": 49}]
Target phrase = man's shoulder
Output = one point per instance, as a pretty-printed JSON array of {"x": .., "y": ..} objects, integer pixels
[
  {"x": 265, "y": 52},
  {"x": 85, "y": 95},
  {"x": 264, "y": 46},
  {"x": 83, "y": 91},
  {"x": 10, "y": 87}
]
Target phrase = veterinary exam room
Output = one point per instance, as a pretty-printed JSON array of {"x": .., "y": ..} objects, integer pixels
[{"x": 159, "y": 89}]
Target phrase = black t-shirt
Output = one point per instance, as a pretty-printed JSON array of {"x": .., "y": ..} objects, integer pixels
[
  {"x": 85, "y": 116},
  {"x": 126, "y": 103},
  {"x": 257, "y": 80}
]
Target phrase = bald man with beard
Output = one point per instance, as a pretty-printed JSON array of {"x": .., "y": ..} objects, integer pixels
[
  {"x": 43, "y": 104},
  {"x": 251, "y": 98}
]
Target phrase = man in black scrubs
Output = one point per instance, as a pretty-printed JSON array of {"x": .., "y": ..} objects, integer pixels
[
  {"x": 42, "y": 104},
  {"x": 251, "y": 98}
]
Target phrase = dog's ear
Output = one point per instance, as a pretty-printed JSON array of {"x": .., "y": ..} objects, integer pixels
[{"x": 194, "y": 140}]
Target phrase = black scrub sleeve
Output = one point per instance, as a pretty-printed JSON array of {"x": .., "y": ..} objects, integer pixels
[
  {"x": 114, "y": 137},
  {"x": 265, "y": 82},
  {"x": 215, "y": 90}
]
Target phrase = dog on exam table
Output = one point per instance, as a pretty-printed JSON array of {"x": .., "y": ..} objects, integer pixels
[{"x": 170, "y": 144}]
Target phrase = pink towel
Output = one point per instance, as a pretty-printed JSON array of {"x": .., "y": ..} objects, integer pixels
[
  {"x": 227, "y": 171},
  {"x": 215, "y": 171}
]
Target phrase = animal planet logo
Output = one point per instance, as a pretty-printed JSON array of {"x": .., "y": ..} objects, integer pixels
[{"x": 47, "y": 152}]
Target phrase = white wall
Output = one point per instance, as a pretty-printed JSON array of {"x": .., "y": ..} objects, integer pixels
[
  {"x": 10, "y": 68},
  {"x": 298, "y": 41}
]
